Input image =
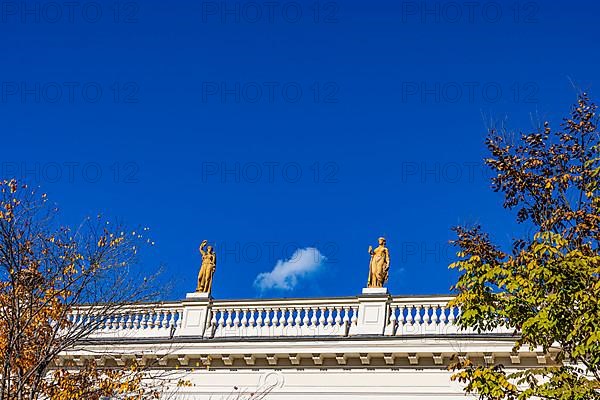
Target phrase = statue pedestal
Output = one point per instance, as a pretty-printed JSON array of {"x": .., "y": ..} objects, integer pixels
[
  {"x": 197, "y": 295},
  {"x": 375, "y": 290},
  {"x": 195, "y": 314},
  {"x": 372, "y": 311}
]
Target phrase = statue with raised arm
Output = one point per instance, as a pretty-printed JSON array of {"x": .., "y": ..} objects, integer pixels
[
  {"x": 207, "y": 270},
  {"x": 379, "y": 266}
]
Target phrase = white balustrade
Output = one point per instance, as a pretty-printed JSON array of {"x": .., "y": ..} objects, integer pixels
[
  {"x": 142, "y": 320},
  {"x": 422, "y": 316},
  {"x": 270, "y": 318},
  {"x": 274, "y": 318}
]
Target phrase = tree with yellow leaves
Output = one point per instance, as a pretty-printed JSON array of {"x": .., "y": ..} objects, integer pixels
[
  {"x": 547, "y": 287},
  {"x": 46, "y": 272}
]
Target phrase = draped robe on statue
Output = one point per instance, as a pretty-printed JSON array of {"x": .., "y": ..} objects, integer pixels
[{"x": 379, "y": 267}]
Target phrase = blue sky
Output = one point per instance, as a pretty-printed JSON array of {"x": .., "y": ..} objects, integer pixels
[{"x": 277, "y": 128}]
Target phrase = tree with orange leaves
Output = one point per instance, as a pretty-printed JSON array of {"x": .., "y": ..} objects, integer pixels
[{"x": 46, "y": 271}]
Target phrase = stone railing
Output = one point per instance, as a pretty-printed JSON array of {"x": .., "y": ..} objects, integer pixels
[
  {"x": 201, "y": 317},
  {"x": 140, "y": 320},
  {"x": 421, "y": 315},
  {"x": 303, "y": 317}
]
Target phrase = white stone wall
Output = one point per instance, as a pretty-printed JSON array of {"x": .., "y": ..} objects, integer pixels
[
  {"x": 339, "y": 384},
  {"x": 372, "y": 346}
]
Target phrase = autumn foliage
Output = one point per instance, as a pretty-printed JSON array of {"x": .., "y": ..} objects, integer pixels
[
  {"x": 546, "y": 288},
  {"x": 45, "y": 272}
]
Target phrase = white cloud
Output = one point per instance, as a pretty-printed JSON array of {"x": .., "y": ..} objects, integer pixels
[{"x": 285, "y": 274}]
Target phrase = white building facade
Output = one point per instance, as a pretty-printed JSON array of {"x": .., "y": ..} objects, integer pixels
[{"x": 372, "y": 346}]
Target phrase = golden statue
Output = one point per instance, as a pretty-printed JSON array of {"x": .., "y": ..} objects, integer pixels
[
  {"x": 379, "y": 266},
  {"x": 207, "y": 270}
]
